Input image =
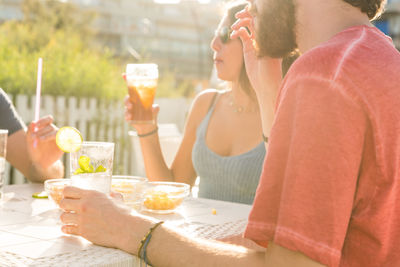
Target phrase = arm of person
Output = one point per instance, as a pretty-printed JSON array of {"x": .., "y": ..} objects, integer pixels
[
  {"x": 168, "y": 248},
  {"x": 182, "y": 169},
  {"x": 102, "y": 221},
  {"x": 265, "y": 74},
  {"x": 36, "y": 163}
]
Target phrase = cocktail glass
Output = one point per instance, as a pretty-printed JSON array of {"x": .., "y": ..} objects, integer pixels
[
  {"x": 3, "y": 150},
  {"x": 54, "y": 189},
  {"x": 142, "y": 83},
  {"x": 91, "y": 166}
]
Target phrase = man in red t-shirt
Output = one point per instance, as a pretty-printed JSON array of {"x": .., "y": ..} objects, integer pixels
[{"x": 330, "y": 188}]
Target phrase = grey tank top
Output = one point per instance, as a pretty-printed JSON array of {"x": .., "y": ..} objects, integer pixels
[{"x": 231, "y": 178}]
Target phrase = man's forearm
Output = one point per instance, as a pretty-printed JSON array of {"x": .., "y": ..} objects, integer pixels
[
  {"x": 38, "y": 174},
  {"x": 172, "y": 249},
  {"x": 169, "y": 248}
]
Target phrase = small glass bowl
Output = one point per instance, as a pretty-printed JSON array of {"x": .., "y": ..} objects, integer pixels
[
  {"x": 54, "y": 189},
  {"x": 131, "y": 188},
  {"x": 164, "y": 197}
]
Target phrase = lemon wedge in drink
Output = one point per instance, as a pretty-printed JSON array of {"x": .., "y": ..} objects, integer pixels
[
  {"x": 69, "y": 139},
  {"x": 84, "y": 164}
]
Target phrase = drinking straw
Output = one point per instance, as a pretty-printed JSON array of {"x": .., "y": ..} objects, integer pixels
[{"x": 38, "y": 91}]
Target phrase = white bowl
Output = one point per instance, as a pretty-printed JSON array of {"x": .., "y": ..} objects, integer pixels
[
  {"x": 164, "y": 197},
  {"x": 131, "y": 188}
]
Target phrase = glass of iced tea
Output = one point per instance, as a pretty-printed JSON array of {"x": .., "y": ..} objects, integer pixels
[{"x": 142, "y": 83}]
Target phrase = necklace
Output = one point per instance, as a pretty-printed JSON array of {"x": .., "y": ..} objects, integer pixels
[{"x": 239, "y": 108}]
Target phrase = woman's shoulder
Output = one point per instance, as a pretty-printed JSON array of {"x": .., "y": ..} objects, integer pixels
[
  {"x": 203, "y": 99},
  {"x": 206, "y": 94},
  {"x": 201, "y": 104}
]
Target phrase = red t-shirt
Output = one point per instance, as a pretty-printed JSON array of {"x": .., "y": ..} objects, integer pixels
[{"x": 330, "y": 187}]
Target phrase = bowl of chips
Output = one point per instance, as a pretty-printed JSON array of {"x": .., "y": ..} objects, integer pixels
[{"x": 164, "y": 197}]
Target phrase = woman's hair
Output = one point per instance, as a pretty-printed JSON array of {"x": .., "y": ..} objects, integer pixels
[
  {"x": 231, "y": 10},
  {"x": 373, "y": 8}
]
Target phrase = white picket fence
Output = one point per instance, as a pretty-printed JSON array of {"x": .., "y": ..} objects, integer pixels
[{"x": 97, "y": 121}]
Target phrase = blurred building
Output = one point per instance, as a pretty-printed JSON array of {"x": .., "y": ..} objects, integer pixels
[
  {"x": 176, "y": 36},
  {"x": 10, "y": 9}
]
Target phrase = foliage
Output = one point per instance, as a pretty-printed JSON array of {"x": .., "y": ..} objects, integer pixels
[
  {"x": 57, "y": 15},
  {"x": 60, "y": 33},
  {"x": 71, "y": 67},
  {"x": 168, "y": 86}
]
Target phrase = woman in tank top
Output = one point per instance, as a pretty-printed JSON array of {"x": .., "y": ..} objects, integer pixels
[{"x": 222, "y": 141}]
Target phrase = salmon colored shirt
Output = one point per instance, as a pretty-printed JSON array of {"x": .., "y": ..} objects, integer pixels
[{"x": 330, "y": 187}]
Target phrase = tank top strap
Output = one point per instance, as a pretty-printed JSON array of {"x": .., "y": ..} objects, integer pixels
[
  {"x": 201, "y": 130},
  {"x": 213, "y": 100}
]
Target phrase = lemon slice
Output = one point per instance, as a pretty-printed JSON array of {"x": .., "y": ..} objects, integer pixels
[
  {"x": 42, "y": 194},
  {"x": 69, "y": 139}
]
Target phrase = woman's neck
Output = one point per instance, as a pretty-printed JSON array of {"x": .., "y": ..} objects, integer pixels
[{"x": 240, "y": 97}]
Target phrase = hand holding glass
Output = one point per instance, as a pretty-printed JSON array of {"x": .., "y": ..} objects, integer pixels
[{"x": 142, "y": 83}]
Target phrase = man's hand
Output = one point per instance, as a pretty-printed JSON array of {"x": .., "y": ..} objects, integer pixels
[
  {"x": 94, "y": 216},
  {"x": 42, "y": 147}
]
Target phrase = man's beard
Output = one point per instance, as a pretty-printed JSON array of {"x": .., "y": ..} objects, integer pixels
[{"x": 276, "y": 28}]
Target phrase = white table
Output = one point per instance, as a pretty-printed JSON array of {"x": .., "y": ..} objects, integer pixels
[{"x": 30, "y": 232}]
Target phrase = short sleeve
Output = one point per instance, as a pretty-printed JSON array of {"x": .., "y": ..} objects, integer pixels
[
  {"x": 307, "y": 188},
  {"x": 9, "y": 118}
]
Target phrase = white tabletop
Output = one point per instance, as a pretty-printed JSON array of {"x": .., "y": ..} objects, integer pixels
[{"x": 30, "y": 232}]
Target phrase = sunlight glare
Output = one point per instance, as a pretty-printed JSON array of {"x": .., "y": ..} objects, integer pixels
[
  {"x": 179, "y": 1},
  {"x": 167, "y": 1}
]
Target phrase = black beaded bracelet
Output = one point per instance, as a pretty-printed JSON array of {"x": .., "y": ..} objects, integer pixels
[
  {"x": 149, "y": 133},
  {"x": 265, "y": 138}
]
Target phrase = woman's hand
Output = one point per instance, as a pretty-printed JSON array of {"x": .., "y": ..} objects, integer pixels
[
  {"x": 130, "y": 107},
  {"x": 129, "y": 110},
  {"x": 94, "y": 216},
  {"x": 264, "y": 73},
  {"x": 41, "y": 140}
]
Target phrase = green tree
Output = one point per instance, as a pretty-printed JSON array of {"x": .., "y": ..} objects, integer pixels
[
  {"x": 51, "y": 30},
  {"x": 60, "y": 33},
  {"x": 58, "y": 15}
]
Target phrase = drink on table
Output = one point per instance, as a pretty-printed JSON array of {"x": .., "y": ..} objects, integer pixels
[
  {"x": 142, "y": 83},
  {"x": 91, "y": 166},
  {"x": 3, "y": 150}
]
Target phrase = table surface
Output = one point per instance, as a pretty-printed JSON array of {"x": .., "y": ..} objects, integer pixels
[{"x": 30, "y": 230}]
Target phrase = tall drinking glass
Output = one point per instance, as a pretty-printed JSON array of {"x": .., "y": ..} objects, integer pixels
[
  {"x": 142, "y": 83},
  {"x": 3, "y": 151},
  {"x": 91, "y": 166}
]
